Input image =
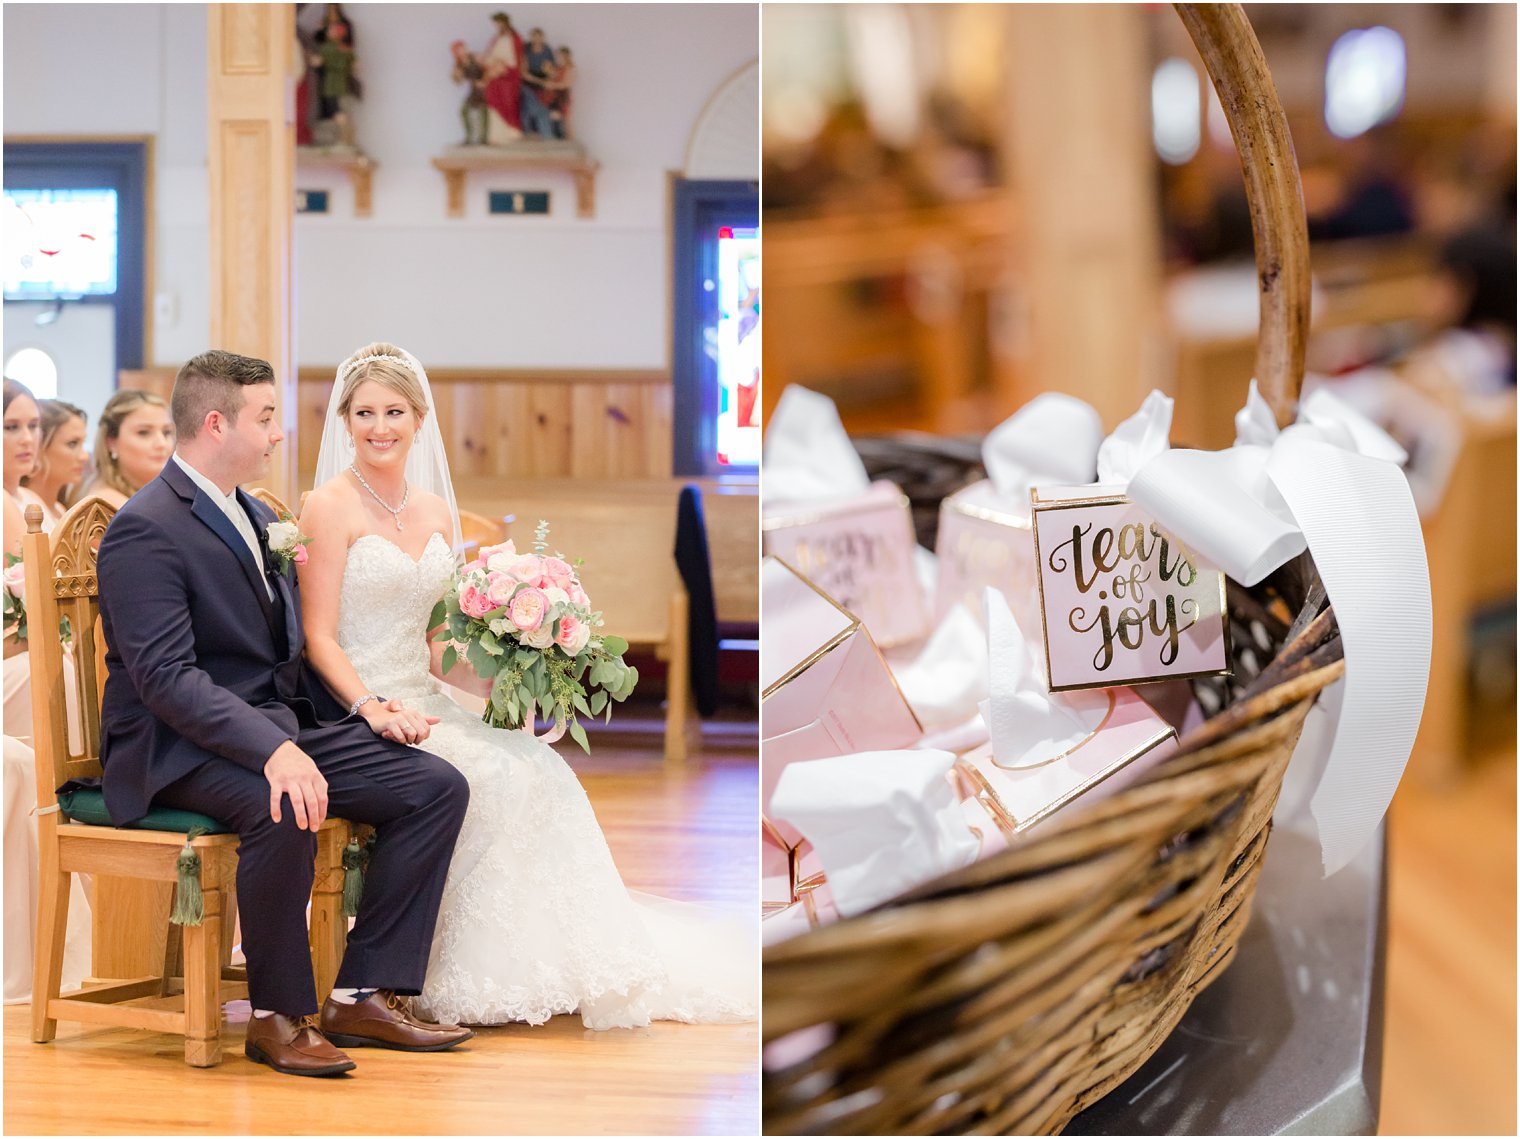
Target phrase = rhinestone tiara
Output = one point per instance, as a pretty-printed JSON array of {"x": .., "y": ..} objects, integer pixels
[{"x": 366, "y": 359}]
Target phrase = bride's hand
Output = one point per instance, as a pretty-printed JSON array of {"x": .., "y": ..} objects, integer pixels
[{"x": 395, "y": 721}]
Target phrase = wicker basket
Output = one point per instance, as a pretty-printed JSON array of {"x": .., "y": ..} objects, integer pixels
[{"x": 1008, "y": 996}]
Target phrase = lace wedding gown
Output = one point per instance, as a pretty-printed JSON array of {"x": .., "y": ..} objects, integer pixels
[{"x": 535, "y": 919}]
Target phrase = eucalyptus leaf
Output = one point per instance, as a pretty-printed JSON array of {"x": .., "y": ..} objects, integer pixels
[{"x": 578, "y": 734}]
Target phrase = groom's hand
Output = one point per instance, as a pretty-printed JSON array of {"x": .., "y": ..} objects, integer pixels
[{"x": 290, "y": 771}]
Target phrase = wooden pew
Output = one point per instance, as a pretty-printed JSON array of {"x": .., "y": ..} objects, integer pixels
[{"x": 625, "y": 533}]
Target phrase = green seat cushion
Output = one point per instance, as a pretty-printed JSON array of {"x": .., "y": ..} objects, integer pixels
[{"x": 88, "y": 805}]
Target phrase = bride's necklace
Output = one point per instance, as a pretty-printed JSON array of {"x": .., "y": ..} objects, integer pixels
[{"x": 395, "y": 511}]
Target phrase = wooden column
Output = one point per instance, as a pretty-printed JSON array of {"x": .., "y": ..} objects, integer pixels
[
  {"x": 1086, "y": 234},
  {"x": 252, "y": 159}
]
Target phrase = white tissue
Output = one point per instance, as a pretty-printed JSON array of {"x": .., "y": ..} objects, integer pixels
[
  {"x": 948, "y": 678},
  {"x": 1136, "y": 441},
  {"x": 1053, "y": 438},
  {"x": 1029, "y": 724},
  {"x": 880, "y": 822},
  {"x": 808, "y": 455}
]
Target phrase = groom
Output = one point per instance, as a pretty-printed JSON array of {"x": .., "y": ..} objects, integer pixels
[{"x": 208, "y": 707}]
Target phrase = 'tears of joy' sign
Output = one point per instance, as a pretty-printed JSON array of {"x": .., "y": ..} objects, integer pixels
[{"x": 1121, "y": 600}]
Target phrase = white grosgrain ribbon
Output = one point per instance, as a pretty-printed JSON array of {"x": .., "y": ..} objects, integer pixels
[{"x": 1330, "y": 483}]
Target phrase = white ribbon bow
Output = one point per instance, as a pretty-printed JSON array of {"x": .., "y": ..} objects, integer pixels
[{"x": 1330, "y": 483}]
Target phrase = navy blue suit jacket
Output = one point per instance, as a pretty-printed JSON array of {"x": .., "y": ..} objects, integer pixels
[{"x": 203, "y": 667}]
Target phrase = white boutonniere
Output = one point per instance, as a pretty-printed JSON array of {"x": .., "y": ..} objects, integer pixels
[{"x": 287, "y": 545}]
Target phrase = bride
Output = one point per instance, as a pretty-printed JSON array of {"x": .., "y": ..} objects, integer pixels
[{"x": 535, "y": 920}]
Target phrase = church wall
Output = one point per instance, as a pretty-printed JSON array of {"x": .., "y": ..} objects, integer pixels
[{"x": 555, "y": 292}]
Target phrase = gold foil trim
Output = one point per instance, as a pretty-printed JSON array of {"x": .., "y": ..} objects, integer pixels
[
  {"x": 986, "y": 514},
  {"x": 1113, "y": 702},
  {"x": 856, "y": 625},
  {"x": 1039, "y": 505},
  {"x": 836, "y": 510},
  {"x": 1013, "y": 826}
]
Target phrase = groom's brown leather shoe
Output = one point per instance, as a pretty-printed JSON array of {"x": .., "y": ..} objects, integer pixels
[
  {"x": 385, "y": 1020},
  {"x": 293, "y": 1045}
]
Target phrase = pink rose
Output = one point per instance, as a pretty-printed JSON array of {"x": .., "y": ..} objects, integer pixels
[
  {"x": 578, "y": 595},
  {"x": 500, "y": 588},
  {"x": 489, "y": 552},
  {"x": 527, "y": 609},
  {"x": 299, "y": 555},
  {"x": 573, "y": 634},
  {"x": 15, "y": 579},
  {"x": 473, "y": 602},
  {"x": 558, "y": 572}
]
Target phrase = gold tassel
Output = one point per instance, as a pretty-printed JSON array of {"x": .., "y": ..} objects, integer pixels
[
  {"x": 189, "y": 905},
  {"x": 354, "y": 859}
]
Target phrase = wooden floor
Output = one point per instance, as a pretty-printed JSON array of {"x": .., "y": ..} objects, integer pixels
[
  {"x": 688, "y": 835},
  {"x": 1449, "y": 1047}
]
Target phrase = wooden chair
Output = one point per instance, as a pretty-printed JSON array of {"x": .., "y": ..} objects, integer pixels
[
  {"x": 61, "y": 581},
  {"x": 476, "y": 530},
  {"x": 273, "y": 501}
]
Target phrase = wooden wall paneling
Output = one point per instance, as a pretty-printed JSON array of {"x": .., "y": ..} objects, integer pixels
[
  {"x": 519, "y": 425},
  {"x": 659, "y": 431},
  {"x": 549, "y": 427}
]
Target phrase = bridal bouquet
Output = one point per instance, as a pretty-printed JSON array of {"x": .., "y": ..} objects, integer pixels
[{"x": 523, "y": 622}]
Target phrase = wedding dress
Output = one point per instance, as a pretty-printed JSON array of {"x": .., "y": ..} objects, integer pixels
[{"x": 535, "y": 919}]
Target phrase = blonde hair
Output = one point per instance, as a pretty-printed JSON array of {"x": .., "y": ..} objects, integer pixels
[
  {"x": 118, "y": 407},
  {"x": 385, "y": 364}
]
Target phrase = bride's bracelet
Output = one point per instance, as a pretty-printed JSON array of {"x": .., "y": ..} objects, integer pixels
[{"x": 353, "y": 709}]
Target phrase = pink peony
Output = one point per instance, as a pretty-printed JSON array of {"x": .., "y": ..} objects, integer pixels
[
  {"x": 500, "y": 588},
  {"x": 15, "y": 579},
  {"x": 573, "y": 634},
  {"x": 528, "y": 609},
  {"x": 523, "y": 567},
  {"x": 473, "y": 602},
  {"x": 299, "y": 555}
]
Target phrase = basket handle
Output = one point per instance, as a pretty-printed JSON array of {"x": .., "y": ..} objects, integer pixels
[{"x": 1233, "y": 58}]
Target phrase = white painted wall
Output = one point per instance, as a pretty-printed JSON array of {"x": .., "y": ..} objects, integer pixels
[
  {"x": 552, "y": 292},
  {"x": 93, "y": 69}
]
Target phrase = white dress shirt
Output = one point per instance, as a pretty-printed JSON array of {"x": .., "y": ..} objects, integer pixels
[{"x": 234, "y": 512}]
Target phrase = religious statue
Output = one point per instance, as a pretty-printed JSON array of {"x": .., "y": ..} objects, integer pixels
[
  {"x": 468, "y": 69},
  {"x": 337, "y": 79},
  {"x": 503, "y": 89}
]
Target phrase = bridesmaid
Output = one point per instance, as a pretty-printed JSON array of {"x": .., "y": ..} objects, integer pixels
[
  {"x": 61, "y": 462},
  {"x": 133, "y": 442}
]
